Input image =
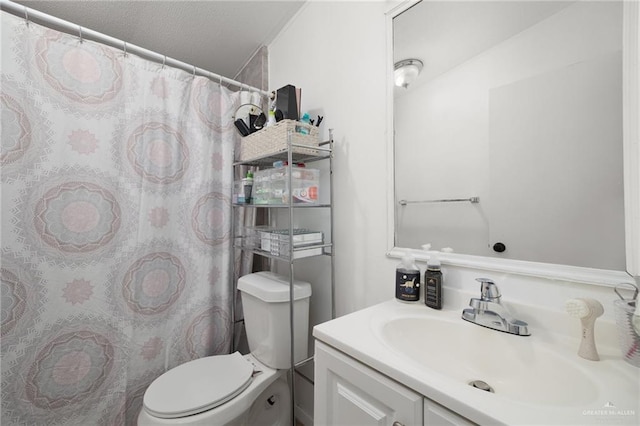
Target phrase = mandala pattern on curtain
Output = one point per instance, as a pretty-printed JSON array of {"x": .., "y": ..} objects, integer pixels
[{"x": 116, "y": 175}]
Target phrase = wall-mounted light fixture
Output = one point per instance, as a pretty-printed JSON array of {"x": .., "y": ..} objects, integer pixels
[{"x": 406, "y": 71}]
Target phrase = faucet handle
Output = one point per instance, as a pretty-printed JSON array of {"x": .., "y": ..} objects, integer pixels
[{"x": 488, "y": 289}]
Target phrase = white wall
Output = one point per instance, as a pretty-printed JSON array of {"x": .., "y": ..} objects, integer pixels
[{"x": 335, "y": 51}]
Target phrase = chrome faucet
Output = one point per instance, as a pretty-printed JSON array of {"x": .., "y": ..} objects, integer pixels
[{"x": 488, "y": 311}]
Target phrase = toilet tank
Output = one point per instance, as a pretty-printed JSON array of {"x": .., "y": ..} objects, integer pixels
[{"x": 265, "y": 302}]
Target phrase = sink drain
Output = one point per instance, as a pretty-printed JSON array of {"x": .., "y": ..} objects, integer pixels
[{"x": 479, "y": 384}]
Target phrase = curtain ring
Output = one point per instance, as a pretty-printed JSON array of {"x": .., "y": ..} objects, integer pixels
[
  {"x": 26, "y": 15},
  {"x": 124, "y": 48},
  {"x": 194, "y": 71},
  {"x": 80, "y": 33},
  {"x": 164, "y": 61}
]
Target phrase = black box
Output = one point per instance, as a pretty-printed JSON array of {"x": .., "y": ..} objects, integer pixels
[{"x": 286, "y": 102}]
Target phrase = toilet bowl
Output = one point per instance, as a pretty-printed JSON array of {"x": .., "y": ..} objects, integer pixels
[
  {"x": 237, "y": 389},
  {"x": 184, "y": 398}
]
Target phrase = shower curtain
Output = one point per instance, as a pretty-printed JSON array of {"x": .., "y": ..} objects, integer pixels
[{"x": 116, "y": 175}]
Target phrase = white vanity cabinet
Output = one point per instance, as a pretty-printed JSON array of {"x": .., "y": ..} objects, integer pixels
[
  {"x": 350, "y": 393},
  {"x": 437, "y": 415}
]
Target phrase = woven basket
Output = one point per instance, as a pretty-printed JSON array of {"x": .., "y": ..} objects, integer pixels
[{"x": 272, "y": 140}]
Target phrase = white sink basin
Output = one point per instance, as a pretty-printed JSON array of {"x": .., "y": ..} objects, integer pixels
[
  {"x": 537, "y": 379},
  {"x": 516, "y": 367}
]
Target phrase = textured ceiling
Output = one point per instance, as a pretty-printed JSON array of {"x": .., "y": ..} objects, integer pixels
[{"x": 218, "y": 36}]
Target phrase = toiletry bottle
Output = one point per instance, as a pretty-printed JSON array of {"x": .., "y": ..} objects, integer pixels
[
  {"x": 302, "y": 129},
  {"x": 408, "y": 280},
  {"x": 247, "y": 183},
  {"x": 271, "y": 120},
  {"x": 433, "y": 283}
]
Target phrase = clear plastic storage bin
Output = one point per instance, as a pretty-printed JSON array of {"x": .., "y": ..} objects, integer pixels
[
  {"x": 271, "y": 185},
  {"x": 276, "y": 241}
]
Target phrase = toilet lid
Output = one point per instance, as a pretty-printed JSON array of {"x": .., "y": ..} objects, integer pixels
[{"x": 198, "y": 386}]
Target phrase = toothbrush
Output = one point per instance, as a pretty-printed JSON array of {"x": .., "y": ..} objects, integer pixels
[{"x": 587, "y": 310}]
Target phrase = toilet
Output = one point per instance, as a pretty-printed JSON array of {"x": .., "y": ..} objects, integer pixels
[{"x": 237, "y": 389}]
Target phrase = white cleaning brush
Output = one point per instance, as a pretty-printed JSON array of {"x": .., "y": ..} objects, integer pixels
[{"x": 587, "y": 310}]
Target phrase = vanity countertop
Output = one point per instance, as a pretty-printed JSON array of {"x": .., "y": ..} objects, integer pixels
[{"x": 582, "y": 392}]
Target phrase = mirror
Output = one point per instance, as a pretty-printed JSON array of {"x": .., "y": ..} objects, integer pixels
[{"x": 519, "y": 107}]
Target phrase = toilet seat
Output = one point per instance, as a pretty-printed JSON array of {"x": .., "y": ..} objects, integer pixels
[{"x": 198, "y": 386}]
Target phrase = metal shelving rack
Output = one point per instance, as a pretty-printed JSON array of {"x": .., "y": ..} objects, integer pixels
[{"x": 325, "y": 153}]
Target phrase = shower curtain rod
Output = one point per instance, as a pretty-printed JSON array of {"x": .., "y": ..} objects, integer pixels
[{"x": 32, "y": 15}]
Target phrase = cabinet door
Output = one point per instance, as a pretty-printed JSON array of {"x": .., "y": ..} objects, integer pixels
[
  {"x": 349, "y": 393},
  {"x": 436, "y": 415}
]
